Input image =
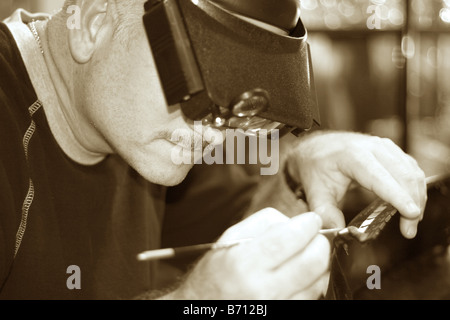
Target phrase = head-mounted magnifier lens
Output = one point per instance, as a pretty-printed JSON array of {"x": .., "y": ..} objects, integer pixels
[
  {"x": 228, "y": 72},
  {"x": 244, "y": 114}
]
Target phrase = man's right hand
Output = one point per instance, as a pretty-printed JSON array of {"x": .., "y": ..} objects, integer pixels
[{"x": 286, "y": 259}]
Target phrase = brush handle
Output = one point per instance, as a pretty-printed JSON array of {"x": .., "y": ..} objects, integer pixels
[{"x": 199, "y": 248}]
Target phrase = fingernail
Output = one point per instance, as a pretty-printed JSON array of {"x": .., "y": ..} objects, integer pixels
[{"x": 411, "y": 232}]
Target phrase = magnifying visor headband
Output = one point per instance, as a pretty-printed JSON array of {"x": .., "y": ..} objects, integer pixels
[{"x": 220, "y": 67}]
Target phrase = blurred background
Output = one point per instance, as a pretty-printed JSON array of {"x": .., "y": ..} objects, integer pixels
[{"x": 381, "y": 67}]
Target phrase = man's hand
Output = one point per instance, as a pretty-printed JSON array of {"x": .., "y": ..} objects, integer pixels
[
  {"x": 286, "y": 259},
  {"x": 326, "y": 164}
]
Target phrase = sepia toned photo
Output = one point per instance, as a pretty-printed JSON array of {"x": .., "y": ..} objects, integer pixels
[{"x": 244, "y": 151}]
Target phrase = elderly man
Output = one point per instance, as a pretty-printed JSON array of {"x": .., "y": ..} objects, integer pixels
[{"x": 87, "y": 151}]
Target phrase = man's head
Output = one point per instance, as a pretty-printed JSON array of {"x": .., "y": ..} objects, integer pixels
[{"x": 116, "y": 102}]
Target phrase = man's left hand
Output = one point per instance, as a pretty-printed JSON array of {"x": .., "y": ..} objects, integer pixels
[{"x": 326, "y": 164}]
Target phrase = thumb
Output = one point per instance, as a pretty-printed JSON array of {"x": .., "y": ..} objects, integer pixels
[{"x": 326, "y": 207}]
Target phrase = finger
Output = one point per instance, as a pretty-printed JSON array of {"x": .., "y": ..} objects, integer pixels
[
  {"x": 408, "y": 227},
  {"x": 422, "y": 192},
  {"x": 399, "y": 165},
  {"x": 410, "y": 176},
  {"x": 315, "y": 291},
  {"x": 369, "y": 172},
  {"x": 283, "y": 241},
  {"x": 304, "y": 269},
  {"x": 404, "y": 169},
  {"x": 254, "y": 225},
  {"x": 323, "y": 201},
  {"x": 331, "y": 215}
]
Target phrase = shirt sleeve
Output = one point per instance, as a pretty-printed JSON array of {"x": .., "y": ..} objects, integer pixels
[{"x": 7, "y": 226}]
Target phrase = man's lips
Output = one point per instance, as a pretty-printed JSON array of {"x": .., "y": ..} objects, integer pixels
[
  {"x": 192, "y": 142},
  {"x": 197, "y": 139}
]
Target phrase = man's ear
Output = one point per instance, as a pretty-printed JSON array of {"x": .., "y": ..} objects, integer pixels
[{"x": 83, "y": 38}]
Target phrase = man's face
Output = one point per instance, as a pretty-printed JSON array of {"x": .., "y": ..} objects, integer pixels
[{"x": 123, "y": 99}]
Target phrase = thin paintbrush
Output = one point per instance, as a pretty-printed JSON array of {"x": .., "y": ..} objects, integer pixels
[{"x": 187, "y": 250}]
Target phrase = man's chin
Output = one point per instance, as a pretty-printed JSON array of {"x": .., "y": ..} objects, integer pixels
[
  {"x": 169, "y": 176},
  {"x": 178, "y": 177}
]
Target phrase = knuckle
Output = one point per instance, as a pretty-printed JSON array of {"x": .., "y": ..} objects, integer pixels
[
  {"x": 269, "y": 214},
  {"x": 421, "y": 175},
  {"x": 412, "y": 160},
  {"x": 377, "y": 142},
  {"x": 387, "y": 141}
]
